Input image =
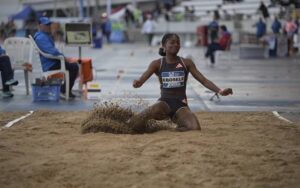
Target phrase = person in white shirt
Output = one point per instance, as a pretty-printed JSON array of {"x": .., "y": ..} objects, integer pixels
[{"x": 148, "y": 28}]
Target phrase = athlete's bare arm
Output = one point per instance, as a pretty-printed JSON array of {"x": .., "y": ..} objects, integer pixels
[
  {"x": 153, "y": 67},
  {"x": 203, "y": 80}
]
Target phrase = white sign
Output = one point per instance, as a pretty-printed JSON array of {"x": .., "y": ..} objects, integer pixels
[
  {"x": 78, "y": 34},
  {"x": 93, "y": 90}
]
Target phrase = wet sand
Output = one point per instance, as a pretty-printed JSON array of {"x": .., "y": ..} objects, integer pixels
[{"x": 240, "y": 149}]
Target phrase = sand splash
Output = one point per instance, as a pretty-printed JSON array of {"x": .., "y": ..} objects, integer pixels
[{"x": 110, "y": 117}]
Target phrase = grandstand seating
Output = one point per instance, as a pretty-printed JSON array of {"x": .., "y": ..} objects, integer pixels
[{"x": 204, "y": 8}]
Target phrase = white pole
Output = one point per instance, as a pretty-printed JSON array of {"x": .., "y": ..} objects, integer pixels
[
  {"x": 55, "y": 9},
  {"x": 81, "y": 9},
  {"x": 108, "y": 7},
  {"x": 88, "y": 8}
]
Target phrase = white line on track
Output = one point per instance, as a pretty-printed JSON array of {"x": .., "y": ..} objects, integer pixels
[
  {"x": 11, "y": 123},
  {"x": 140, "y": 99},
  {"x": 280, "y": 117}
]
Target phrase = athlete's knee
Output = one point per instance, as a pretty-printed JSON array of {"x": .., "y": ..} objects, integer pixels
[
  {"x": 193, "y": 125},
  {"x": 196, "y": 123},
  {"x": 188, "y": 125},
  {"x": 186, "y": 120}
]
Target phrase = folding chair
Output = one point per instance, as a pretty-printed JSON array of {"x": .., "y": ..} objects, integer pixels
[
  {"x": 20, "y": 51},
  {"x": 52, "y": 72}
]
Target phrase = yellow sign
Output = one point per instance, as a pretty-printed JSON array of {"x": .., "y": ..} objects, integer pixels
[{"x": 93, "y": 90}]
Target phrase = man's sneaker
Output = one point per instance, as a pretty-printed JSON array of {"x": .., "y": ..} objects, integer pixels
[
  {"x": 12, "y": 82},
  {"x": 71, "y": 95},
  {"x": 63, "y": 95},
  {"x": 7, "y": 94}
]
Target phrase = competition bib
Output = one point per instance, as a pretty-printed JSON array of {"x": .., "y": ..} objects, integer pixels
[{"x": 172, "y": 79}]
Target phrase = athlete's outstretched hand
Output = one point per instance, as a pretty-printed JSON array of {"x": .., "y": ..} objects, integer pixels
[
  {"x": 225, "y": 92},
  {"x": 137, "y": 83}
]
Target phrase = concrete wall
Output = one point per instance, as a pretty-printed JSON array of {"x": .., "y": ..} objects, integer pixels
[{"x": 9, "y": 7}]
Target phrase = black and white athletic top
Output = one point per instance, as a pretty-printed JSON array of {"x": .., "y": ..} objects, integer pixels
[{"x": 172, "y": 78}]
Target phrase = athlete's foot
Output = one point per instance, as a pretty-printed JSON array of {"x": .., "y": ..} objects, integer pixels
[
  {"x": 181, "y": 129},
  {"x": 184, "y": 129}
]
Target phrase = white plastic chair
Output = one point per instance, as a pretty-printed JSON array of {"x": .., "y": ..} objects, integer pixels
[
  {"x": 52, "y": 72},
  {"x": 20, "y": 51}
]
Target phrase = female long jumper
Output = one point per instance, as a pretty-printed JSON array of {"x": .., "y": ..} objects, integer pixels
[{"x": 172, "y": 72}]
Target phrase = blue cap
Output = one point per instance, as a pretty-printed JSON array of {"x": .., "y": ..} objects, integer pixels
[{"x": 44, "y": 21}]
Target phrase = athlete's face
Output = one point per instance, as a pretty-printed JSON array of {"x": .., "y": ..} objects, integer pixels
[{"x": 172, "y": 45}]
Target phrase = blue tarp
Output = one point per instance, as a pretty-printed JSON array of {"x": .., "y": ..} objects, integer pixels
[
  {"x": 23, "y": 14},
  {"x": 117, "y": 36}
]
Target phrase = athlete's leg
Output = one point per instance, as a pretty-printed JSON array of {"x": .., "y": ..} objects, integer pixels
[
  {"x": 186, "y": 120},
  {"x": 157, "y": 111}
]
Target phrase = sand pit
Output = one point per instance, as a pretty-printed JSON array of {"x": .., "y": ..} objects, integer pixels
[
  {"x": 112, "y": 118},
  {"x": 47, "y": 149}
]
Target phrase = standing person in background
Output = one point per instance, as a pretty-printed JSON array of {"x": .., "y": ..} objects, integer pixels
[
  {"x": 138, "y": 16},
  {"x": 172, "y": 72},
  {"x": 276, "y": 26},
  {"x": 45, "y": 42},
  {"x": 106, "y": 27},
  {"x": 290, "y": 29},
  {"x": 261, "y": 28},
  {"x": 217, "y": 14},
  {"x": 213, "y": 29},
  {"x": 168, "y": 6},
  {"x": 264, "y": 10},
  {"x": 157, "y": 10},
  {"x": 192, "y": 13},
  {"x": 148, "y": 28},
  {"x": 129, "y": 17},
  {"x": 7, "y": 75},
  {"x": 272, "y": 39},
  {"x": 186, "y": 13}
]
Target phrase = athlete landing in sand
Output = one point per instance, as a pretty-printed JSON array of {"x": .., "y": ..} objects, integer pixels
[{"x": 172, "y": 72}]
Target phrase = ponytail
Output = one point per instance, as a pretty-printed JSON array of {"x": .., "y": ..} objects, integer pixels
[{"x": 161, "y": 52}]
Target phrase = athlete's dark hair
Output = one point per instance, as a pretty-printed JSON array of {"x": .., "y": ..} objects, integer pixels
[{"x": 164, "y": 41}]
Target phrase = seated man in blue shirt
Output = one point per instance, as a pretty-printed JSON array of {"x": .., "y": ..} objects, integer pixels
[
  {"x": 7, "y": 74},
  {"x": 45, "y": 42}
]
